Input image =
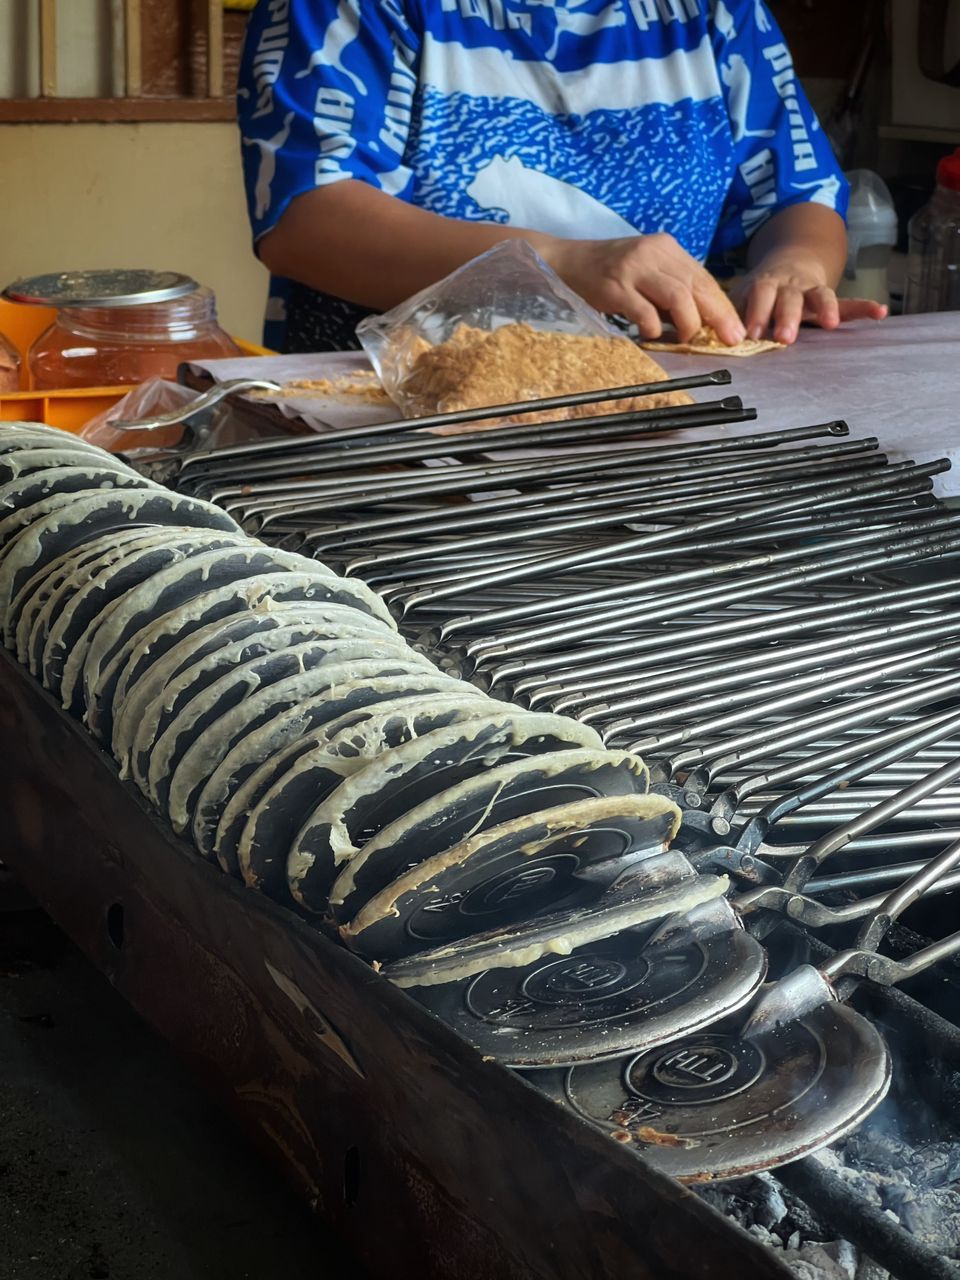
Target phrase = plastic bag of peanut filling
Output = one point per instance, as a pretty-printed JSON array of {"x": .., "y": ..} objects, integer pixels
[{"x": 504, "y": 328}]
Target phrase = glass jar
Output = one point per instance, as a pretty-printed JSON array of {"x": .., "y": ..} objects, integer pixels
[
  {"x": 9, "y": 366},
  {"x": 106, "y": 346}
]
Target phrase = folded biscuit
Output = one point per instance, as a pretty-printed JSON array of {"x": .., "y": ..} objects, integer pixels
[{"x": 706, "y": 343}]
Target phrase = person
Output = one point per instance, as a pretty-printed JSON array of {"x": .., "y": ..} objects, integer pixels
[{"x": 387, "y": 142}]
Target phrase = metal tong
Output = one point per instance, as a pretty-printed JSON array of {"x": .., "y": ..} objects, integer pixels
[
  {"x": 201, "y": 404},
  {"x": 807, "y": 987}
]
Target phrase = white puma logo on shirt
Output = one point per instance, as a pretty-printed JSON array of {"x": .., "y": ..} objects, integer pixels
[
  {"x": 735, "y": 74},
  {"x": 342, "y": 30},
  {"x": 544, "y": 203},
  {"x": 268, "y": 148},
  {"x": 585, "y": 24},
  {"x": 724, "y": 20},
  {"x": 825, "y": 190}
]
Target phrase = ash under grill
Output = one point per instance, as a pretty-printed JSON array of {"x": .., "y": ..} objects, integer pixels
[{"x": 770, "y": 619}]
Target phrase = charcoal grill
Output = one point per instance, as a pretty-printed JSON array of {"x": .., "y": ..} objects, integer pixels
[{"x": 768, "y": 619}]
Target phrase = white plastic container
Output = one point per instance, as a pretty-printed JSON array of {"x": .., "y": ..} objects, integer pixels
[
  {"x": 933, "y": 266},
  {"x": 871, "y": 234}
]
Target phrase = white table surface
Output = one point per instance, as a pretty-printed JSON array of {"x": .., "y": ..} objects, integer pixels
[{"x": 896, "y": 379}]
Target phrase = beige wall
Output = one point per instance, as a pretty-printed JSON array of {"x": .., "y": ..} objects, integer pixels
[{"x": 144, "y": 195}]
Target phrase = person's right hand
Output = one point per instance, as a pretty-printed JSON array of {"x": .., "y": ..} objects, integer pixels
[{"x": 645, "y": 278}]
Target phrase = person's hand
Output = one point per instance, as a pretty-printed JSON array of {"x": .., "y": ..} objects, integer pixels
[
  {"x": 782, "y": 293},
  {"x": 644, "y": 278}
]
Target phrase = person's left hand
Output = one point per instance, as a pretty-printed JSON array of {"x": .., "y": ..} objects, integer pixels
[{"x": 783, "y": 292}]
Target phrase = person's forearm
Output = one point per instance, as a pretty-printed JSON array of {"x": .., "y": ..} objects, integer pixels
[
  {"x": 358, "y": 243},
  {"x": 810, "y": 232},
  {"x": 370, "y": 248}
]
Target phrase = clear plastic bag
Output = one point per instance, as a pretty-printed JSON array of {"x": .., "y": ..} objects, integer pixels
[
  {"x": 155, "y": 396},
  {"x": 503, "y": 327}
]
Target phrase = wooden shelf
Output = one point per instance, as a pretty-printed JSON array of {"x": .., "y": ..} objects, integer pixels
[
  {"x": 920, "y": 133},
  {"x": 113, "y": 110}
]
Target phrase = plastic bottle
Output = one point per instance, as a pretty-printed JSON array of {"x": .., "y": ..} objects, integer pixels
[
  {"x": 871, "y": 234},
  {"x": 933, "y": 268}
]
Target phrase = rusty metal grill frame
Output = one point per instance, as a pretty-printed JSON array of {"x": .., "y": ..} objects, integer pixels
[{"x": 466, "y": 1170}]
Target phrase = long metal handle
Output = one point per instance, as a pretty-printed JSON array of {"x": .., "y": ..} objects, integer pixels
[
  {"x": 325, "y": 456},
  {"x": 789, "y": 895},
  {"x": 858, "y": 758},
  {"x": 748, "y": 629},
  {"x": 894, "y": 905},
  {"x": 694, "y": 496},
  {"x": 626, "y": 487},
  {"x": 888, "y": 972},
  {"x": 748, "y": 515},
  {"x": 659, "y": 683},
  {"x": 759, "y": 740},
  {"x": 647, "y": 606},
  {"x": 200, "y": 469},
  {"x": 804, "y": 868},
  {"x": 705, "y": 574},
  {"x": 862, "y": 960},
  {"x": 373, "y": 530},
  {"x": 803, "y": 664},
  {"x": 879, "y": 675},
  {"x": 888, "y": 873},
  {"x": 720, "y": 377},
  {"x": 328, "y": 489},
  {"x": 648, "y": 547},
  {"x": 817, "y": 916},
  {"x": 807, "y": 911}
]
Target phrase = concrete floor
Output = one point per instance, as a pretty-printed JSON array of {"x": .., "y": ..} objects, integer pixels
[{"x": 114, "y": 1165}]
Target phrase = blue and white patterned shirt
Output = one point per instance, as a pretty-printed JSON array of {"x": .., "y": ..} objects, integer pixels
[{"x": 589, "y": 119}]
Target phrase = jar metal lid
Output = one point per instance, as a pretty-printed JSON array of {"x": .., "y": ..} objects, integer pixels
[{"x": 100, "y": 288}]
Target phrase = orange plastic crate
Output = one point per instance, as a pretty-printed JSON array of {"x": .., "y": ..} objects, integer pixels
[{"x": 70, "y": 409}]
